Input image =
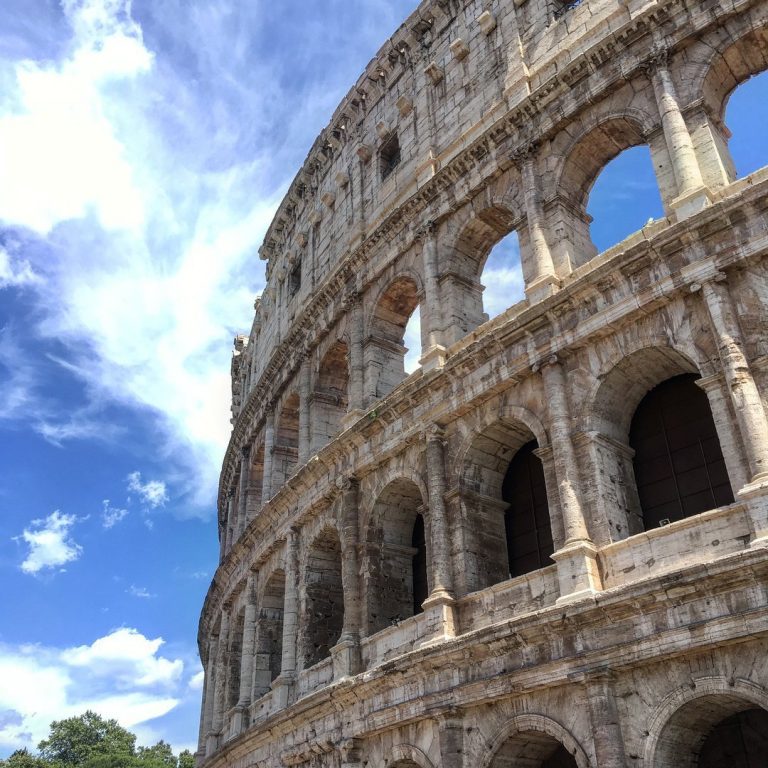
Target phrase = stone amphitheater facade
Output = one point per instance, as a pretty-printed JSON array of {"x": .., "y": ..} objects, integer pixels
[{"x": 548, "y": 545}]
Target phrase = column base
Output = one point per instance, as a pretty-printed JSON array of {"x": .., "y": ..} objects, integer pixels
[
  {"x": 577, "y": 572},
  {"x": 211, "y": 743},
  {"x": 347, "y": 659},
  {"x": 691, "y": 203},
  {"x": 239, "y": 721},
  {"x": 433, "y": 358},
  {"x": 441, "y": 619},
  {"x": 283, "y": 691},
  {"x": 542, "y": 287},
  {"x": 755, "y": 495}
]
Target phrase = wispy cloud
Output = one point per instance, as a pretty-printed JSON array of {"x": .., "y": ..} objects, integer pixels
[
  {"x": 111, "y": 516},
  {"x": 141, "y": 592},
  {"x": 122, "y": 675},
  {"x": 153, "y": 492},
  {"x": 50, "y": 543},
  {"x": 142, "y": 162}
]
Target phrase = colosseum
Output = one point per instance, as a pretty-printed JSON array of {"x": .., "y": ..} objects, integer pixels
[{"x": 546, "y": 546}]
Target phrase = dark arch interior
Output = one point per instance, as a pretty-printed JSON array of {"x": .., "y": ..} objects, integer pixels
[
  {"x": 330, "y": 398},
  {"x": 324, "y": 607},
  {"x": 678, "y": 463},
  {"x": 419, "y": 565},
  {"x": 269, "y": 634},
  {"x": 396, "y": 546},
  {"x": 533, "y": 749},
  {"x": 526, "y": 520},
  {"x": 738, "y": 741}
]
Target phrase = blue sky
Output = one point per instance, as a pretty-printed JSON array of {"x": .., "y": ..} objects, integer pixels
[{"x": 143, "y": 150}]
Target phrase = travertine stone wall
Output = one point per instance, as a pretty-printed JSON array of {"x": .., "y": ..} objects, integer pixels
[{"x": 363, "y": 612}]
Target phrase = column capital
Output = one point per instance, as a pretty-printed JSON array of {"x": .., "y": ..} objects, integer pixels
[
  {"x": 434, "y": 433},
  {"x": 352, "y": 301},
  {"x": 347, "y": 482},
  {"x": 427, "y": 231},
  {"x": 545, "y": 362},
  {"x": 525, "y": 152},
  {"x": 659, "y": 59}
]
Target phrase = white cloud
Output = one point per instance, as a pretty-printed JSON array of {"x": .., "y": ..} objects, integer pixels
[
  {"x": 153, "y": 492},
  {"x": 50, "y": 543},
  {"x": 15, "y": 272},
  {"x": 141, "y": 592},
  {"x": 121, "y": 676},
  {"x": 196, "y": 681},
  {"x": 111, "y": 516}
]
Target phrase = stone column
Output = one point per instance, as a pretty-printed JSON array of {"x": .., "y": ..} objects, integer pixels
[
  {"x": 206, "y": 719},
  {"x": 354, "y": 307},
  {"x": 450, "y": 729},
  {"x": 540, "y": 278},
  {"x": 283, "y": 686},
  {"x": 431, "y": 315},
  {"x": 305, "y": 416},
  {"x": 692, "y": 195},
  {"x": 219, "y": 690},
  {"x": 346, "y": 653},
  {"x": 230, "y": 527},
  {"x": 604, "y": 716},
  {"x": 577, "y": 560},
  {"x": 440, "y": 605},
  {"x": 242, "y": 502},
  {"x": 269, "y": 446},
  {"x": 747, "y": 403},
  {"x": 248, "y": 651}
]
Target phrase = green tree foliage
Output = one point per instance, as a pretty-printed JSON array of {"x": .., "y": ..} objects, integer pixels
[
  {"x": 90, "y": 741},
  {"x": 77, "y": 740}
]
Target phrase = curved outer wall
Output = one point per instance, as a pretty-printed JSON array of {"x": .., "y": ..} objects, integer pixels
[{"x": 477, "y": 119}]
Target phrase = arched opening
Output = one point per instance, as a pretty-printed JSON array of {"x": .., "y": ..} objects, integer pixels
[
  {"x": 505, "y": 508},
  {"x": 678, "y": 463},
  {"x": 586, "y": 162},
  {"x": 526, "y": 519},
  {"x": 256, "y": 481},
  {"x": 385, "y": 348},
  {"x": 533, "y": 749},
  {"x": 412, "y": 341},
  {"x": 269, "y": 634},
  {"x": 624, "y": 198},
  {"x": 502, "y": 277},
  {"x": 483, "y": 275},
  {"x": 330, "y": 398},
  {"x": 323, "y": 614},
  {"x": 746, "y": 118},
  {"x": 713, "y": 731},
  {"x": 286, "y": 451},
  {"x": 235, "y": 658},
  {"x": 731, "y": 139},
  {"x": 397, "y": 573}
]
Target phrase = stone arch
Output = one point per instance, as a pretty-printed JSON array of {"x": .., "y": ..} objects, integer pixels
[
  {"x": 504, "y": 499},
  {"x": 235, "y": 657},
  {"x": 384, "y": 342},
  {"x": 463, "y": 260},
  {"x": 269, "y": 632},
  {"x": 679, "y": 726},
  {"x": 330, "y": 398},
  {"x": 322, "y": 617},
  {"x": 533, "y": 737},
  {"x": 390, "y": 578},
  {"x": 728, "y": 67},
  {"x": 286, "y": 449},
  {"x": 407, "y": 756},
  {"x": 601, "y": 140},
  {"x": 256, "y": 480},
  {"x": 624, "y": 432}
]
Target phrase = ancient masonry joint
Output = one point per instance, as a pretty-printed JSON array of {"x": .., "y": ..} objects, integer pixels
[{"x": 548, "y": 546}]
